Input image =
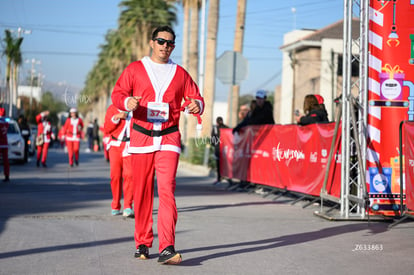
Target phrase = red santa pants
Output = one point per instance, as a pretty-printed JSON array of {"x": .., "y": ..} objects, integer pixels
[
  {"x": 144, "y": 165},
  {"x": 121, "y": 177},
  {"x": 42, "y": 152},
  {"x": 73, "y": 149},
  {"x": 5, "y": 156}
]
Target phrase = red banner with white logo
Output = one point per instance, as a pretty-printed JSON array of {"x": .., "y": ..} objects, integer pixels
[
  {"x": 283, "y": 156},
  {"x": 408, "y": 151}
]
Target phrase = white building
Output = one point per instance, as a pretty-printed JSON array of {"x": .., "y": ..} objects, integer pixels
[{"x": 30, "y": 91}]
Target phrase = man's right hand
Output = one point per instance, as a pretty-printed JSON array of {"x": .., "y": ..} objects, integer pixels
[{"x": 133, "y": 102}]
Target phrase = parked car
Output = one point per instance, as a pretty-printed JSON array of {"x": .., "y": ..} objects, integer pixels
[{"x": 15, "y": 141}]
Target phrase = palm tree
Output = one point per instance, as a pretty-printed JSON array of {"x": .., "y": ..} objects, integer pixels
[
  {"x": 140, "y": 17},
  {"x": 14, "y": 58},
  {"x": 128, "y": 43},
  {"x": 210, "y": 71}
]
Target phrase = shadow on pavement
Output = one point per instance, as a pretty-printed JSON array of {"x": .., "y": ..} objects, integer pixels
[{"x": 282, "y": 241}]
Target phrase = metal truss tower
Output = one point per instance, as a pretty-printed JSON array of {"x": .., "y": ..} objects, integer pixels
[{"x": 354, "y": 197}]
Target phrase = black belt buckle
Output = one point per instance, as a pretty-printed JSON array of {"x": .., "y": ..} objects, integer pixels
[{"x": 155, "y": 133}]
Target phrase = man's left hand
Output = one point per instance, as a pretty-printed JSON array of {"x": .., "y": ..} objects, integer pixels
[{"x": 194, "y": 106}]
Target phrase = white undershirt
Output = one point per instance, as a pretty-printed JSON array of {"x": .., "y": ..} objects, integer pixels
[{"x": 161, "y": 72}]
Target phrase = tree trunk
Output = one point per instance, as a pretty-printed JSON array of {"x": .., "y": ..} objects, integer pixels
[
  {"x": 8, "y": 87},
  {"x": 238, "y": 47},
  {"x": 185, "y": 35},
  {"x": 210, "y": 71},
  {"x": 183, "y": 118},
  {"x": 193, "y": 61}
]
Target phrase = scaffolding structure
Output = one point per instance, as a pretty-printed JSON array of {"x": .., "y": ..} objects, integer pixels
[{"x": 353, "y": 199}]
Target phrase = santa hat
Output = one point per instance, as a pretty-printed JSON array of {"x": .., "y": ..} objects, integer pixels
[
  {"x": 319, "y": 98},
  {"x": 73, "y": 110}
]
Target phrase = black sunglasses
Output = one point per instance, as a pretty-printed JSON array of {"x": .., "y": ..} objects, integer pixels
[{"x": 161, "y": 41}]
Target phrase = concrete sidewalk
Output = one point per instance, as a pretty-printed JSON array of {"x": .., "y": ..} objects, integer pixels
[{"x": 57, "y": 220}]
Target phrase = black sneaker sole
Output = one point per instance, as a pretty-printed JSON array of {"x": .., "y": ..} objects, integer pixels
[{"x": 175, "y": 259}]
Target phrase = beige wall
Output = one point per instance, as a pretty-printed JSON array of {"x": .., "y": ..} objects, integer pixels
[
  {"x": 276, "y": 104},
  {"x": 307, "y": 75}
]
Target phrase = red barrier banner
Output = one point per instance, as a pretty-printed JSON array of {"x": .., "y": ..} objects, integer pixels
[
  {"x": 390, "y": 93},
  {"x": 408, "y": 151},
  {"x": 283, "y": 156}
]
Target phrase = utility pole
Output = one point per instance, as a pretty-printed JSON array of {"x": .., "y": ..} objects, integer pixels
[{"x": 32, "y": 72}]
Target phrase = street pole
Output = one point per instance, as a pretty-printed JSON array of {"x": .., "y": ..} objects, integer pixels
[{"x": 32, "y": 71}]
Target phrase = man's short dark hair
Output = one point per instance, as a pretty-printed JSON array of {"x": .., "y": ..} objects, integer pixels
[{"x": 163, "y": 29}]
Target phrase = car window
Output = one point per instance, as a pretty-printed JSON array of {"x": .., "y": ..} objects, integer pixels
[{"x": 12, "y": 129}]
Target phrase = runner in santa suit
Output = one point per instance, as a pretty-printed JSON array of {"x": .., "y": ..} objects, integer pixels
[
  {"x": 44, "y": 128},
  {"x": 73, "y": 132},
  {"x": 117, "y": 127},
  {"x": 4, "y": 146},
  {"x": 154, "y": 89}
]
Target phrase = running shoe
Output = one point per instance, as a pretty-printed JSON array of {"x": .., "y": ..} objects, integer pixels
[
  {"x": 115, "y": 212},
  {"x": 169, "y": 256},
  {"x": 142, "y": 252},
  {"x": 128, "y": 213}
]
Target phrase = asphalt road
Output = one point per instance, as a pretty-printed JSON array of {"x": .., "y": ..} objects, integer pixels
[{"x": 57, "y": 220}]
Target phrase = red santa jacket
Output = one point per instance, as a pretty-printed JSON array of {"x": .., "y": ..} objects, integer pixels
[
  {"x": 4, "y": 126},
  {"x": 117, "y": 130},
  {"x": 139, "y": 80},
  {"x": 44, "y": 127},
  {"x": 72, "y": 129}
]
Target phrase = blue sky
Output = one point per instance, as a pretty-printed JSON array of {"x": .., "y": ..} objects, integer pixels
[{"x": 66, "y": 35}]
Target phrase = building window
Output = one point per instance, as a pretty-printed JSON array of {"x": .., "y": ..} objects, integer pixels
[{"x": 355, "y": 66}]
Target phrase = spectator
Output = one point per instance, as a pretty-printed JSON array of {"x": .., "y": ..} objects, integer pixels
[
  {"x": 215, "y": 141},
  {"x": 314, "y": 109},
  {"x": 96, "y": 136},
  {"x": 89, "y": 135},
  {"x": 244, "y": 110},
  {"x": 25, "y": 131},
  {"x": 44, "y": 137},
  {"x": 4, "y": 146},
  {"x": 261, "y": 112}
]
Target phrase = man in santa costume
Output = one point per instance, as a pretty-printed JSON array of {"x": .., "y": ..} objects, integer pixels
[
  {"x": 117, "y": 127},
  {"x": 154, "y": 88},
  {"x": 73, "y": 132},
  {"x": 44, "y": 137},
  {"x": 4, "y": 146}
]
